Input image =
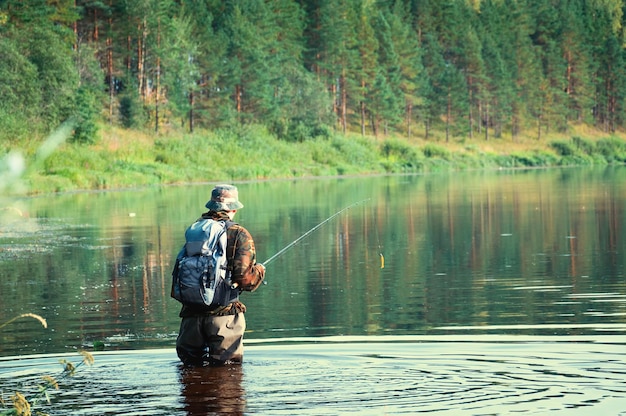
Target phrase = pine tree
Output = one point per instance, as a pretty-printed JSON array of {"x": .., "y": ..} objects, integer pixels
[
  {"x": 367, "y": 65},
  {"x": 205, "y": 49},
  {"x": 436, "y": 91},
  {"x": 181, "y": 70},
  {"x": 578, "y": 61},
  {"x": 336, "y": 52},
  {"x": 57, "y": 78},
  {"x": 253, "y": 57},
  {"x": 20, "y": 95},
  {"x": 605, "y": 38},
  {"x": 389, "y": 99},
  {"x": 412, "y": 74}
]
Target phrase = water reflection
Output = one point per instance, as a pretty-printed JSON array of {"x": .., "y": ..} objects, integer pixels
[
  {"x": 532, "y": 252},
  {"x": 213, "y": 390}
]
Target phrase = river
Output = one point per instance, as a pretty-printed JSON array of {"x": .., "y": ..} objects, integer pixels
[{"x": 459, "y": 293}]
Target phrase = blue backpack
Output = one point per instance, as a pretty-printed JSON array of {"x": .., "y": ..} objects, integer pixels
[{"x": 201, "y": 277}]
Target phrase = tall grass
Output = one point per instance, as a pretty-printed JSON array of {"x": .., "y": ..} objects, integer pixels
[
  {"x": 23, "y": 404},
  {"x": 124, "y": 158}
]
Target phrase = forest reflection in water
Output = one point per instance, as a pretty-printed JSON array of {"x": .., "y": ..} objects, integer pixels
[
  {"x": 469, "y": 255},
  {"x": 535, "y": 252}
]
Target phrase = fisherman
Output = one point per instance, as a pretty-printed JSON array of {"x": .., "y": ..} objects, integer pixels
[{"x": 215, "y": 336}]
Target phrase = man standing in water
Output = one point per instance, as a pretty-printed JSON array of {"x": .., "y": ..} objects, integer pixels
[{"x": 214, "y": 336}]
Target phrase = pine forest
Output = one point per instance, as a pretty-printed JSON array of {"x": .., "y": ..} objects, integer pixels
[{"x": 479, "y": 69}]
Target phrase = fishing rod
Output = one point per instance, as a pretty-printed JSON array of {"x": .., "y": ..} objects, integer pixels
[{"x": 297, "y": 240}]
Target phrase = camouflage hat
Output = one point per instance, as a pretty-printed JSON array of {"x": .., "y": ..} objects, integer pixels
[{"x": 224, "y": 198}]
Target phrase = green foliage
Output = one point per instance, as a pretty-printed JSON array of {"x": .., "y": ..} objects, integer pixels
[
  {"x": 303, "y": 68},
  {"x": 129, "y": 111},
  {"x": 537, "y": 158},
  {"x": 399, "y": 156},
  {"x": 14, "y": 125},
  {"x": 435, "y": 151},
  {"x": 20, "y": 96},
  {"x": 585, "y": 146},
  {"x": 249, "y": 152},
  {"x": 579, "y": 151},
  {"x": 612, "y": 149},
  {"x": 356, "y": 152},
  {"x": 564, "y": 148},
  {"x": 86, "y": 127},
  {"x": 296, "y": 130}
]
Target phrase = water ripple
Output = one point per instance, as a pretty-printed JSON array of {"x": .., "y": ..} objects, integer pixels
[{"x": 344, "y": 375}]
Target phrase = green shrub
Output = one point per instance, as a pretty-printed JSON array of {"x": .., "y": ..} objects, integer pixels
[
  {"x": 564, "y": 148},
  {"x": 434, "y": 151},
  {"x": 612, "y": 149},
  {"x": 583, "y": 145},
  {"x": 85, "y": 128},
  {"x": 356, "y": 152},
  {"x": 576, "y": 160},
  {"x": 400, "y": 156},
  {"x": 129, "y": 111},
  {"x": 533, "y": 159}
]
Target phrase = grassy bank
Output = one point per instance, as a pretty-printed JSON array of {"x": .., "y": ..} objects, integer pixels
[{"x": 122, "y": 158}]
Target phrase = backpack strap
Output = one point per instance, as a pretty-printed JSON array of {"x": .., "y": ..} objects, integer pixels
[{"x": 231, "y": 260}]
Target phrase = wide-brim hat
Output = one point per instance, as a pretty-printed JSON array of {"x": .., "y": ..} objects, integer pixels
[{"x": 224, "y": 198}]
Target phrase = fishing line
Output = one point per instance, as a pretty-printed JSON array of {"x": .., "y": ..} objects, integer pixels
[
  {"x": 380, "y": 249},
  {"x": 297, "y": 240}
]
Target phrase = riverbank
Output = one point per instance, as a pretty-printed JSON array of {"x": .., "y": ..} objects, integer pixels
[{"x": 121, "y": 158}]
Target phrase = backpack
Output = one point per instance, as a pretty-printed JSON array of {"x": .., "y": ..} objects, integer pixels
[{"x": 200, "y": 277}]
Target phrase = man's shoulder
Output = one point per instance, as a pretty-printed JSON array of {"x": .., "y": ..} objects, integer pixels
[{"x": 238, "y": 230}]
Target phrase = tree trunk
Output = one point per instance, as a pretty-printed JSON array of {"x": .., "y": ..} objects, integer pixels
[
  {"x": 95, "y": 33},
  {"x": 610, "y": 107},
  {"x": 333, "y": 93},
  {"x": 141, "y": 60},
  {"x": 75, "y": 29},
  {"x": 470, "y": 115},
  {"x": 409, "y": 113},
  {"x": 362, "y": 118},
  {"x": 238, "y": 104},
  {"x": 109, "y": 45},
  {"x": 344, "y": 104},
  {"x": 487, "y": 121},
  {"x": 374, "y": 125},
  {"x": 191, "y": 111},
  {"x": 515, "y": 126},
  {"x": 362, "y": 109},
  {"x": 480, "y": 115},
  {"x": 448, "y": 115},
  {"x": 539, "y": 117},
  {"x": 158, "y": 79}
]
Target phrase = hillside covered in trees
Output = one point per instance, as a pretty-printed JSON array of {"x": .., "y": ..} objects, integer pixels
[{"x": 473, "y": 68}]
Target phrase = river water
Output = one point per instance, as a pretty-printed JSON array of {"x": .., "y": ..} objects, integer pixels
[{"x": 465, "y": 293}]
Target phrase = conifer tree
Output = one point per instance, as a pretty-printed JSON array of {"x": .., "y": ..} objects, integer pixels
[
  {"x": 579, "y": 65},
  {"x": 388, "y": 99},
  {"x": 436, "y": 91},
  {"x": 208, "y": 102},
  {"x": 336, "y": 52},
  {"x": 605, "y": 39},
  {"x": 256, "y": 54},
  {"x": 367, "y": 65},
  {"x": 412, "y": 75}
]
